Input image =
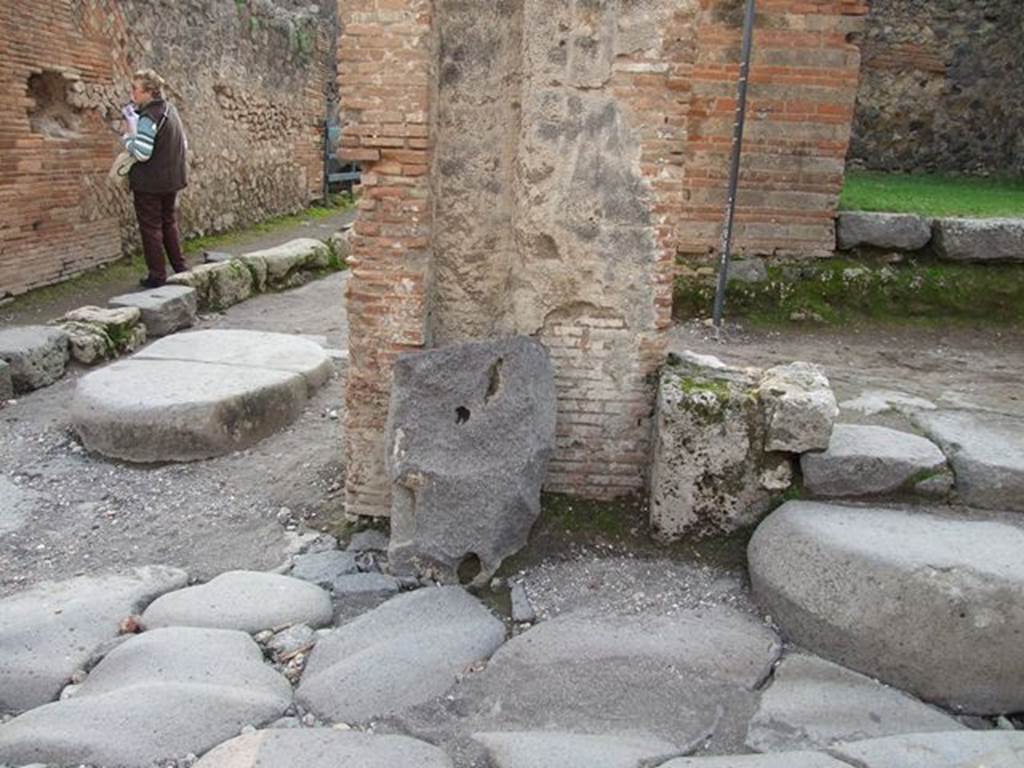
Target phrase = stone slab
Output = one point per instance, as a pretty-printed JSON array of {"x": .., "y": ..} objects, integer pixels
[
  {"x": 249, "y": 601},
  {"x": 324, "y": 568},
  {"x": 406, "y": 652},
  {"x": 283, "y": 260},
  {"x": 196, "y": 395},
  {"x": 553, "y": 749},
  {"x": 891, "y": 231},
  {"x": 864, "y": 460},
  {"x": 362, "y": 583},
  {"x": 50, "y": 631},
  {"x": 960, "y": 749},
  {"x": 813, "y": 703},
  {"x": 873, "y": 588},
  {"x": 987, "y": 454},
  {"x": 160, "y": 695},
  {"x": 980, "y": 240},
  {"x": 37, "y": 355},
  {"x": 324, "y": 748},
  {"x": 164, "y": 310},
  {"x": 781, "y": 760}
]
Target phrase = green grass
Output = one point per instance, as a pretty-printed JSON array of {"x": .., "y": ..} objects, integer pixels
[{"x": 933, "y": 195}]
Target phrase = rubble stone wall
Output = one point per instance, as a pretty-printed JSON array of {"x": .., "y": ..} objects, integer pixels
[
  {"x": 577, "y": 149},
  {"x": 252, "y": 81},
  {"x": 941, "y": 85}
]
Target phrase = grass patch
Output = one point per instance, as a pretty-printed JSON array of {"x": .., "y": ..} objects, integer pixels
[{"x": 933, "y": 195}]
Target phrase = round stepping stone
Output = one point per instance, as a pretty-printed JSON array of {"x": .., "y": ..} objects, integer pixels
[
  {"x": 813, "y": 703},
  {"x": 867, "y": 460},
  {"x": 36, "y": 354},
  {"x": 50, "y": 631},
  {"x": 196, "y": 395},
  {"x": 324, "y": 748},
  {"x": 920, "y": 600},
  {"x": 406, "y": 652},
  {"x": 160, "y": 695},
  {"x": 250, "y": 601},
  {"x": 526, "y": 749}
]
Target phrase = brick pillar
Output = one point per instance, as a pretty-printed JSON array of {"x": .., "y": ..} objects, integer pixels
[{"x": 386, "y": 55}]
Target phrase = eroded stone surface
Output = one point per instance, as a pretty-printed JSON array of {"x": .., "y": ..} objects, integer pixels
[
  {"x": 250, "y": 601},
  {"x": 324, "y": 568},
  {"x": 813, "y": 703},
  {"x": 403, "y": 653},
  {"x": 50, "y": 631},
  {"x": 783, "y": 760},
  {"x": 36, "y": 354},
  {"x": 164, "y": 310},
  {"x": 218, "y": 285},
  {"x": 960, "y": 749},
  {"x": 998, "y": 240},
  {"x": 470, "y": 432},
  {"x": 284, "y": 260},
  {"x": 898, "y": 231},
  {"x": 799, "y": 407},
  {"x": 6, "y": 382},
  {"x": 873, "y": 588},
  {"x": 97, "y": 333},
  {"x": 535, "y": 749},
  {"x": 163, "y": 694}
]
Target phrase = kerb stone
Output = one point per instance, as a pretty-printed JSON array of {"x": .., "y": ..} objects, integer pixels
[
  {"x": 981, "y": 240},
  {"x": 164, "y": 310},
  {"x": 896, "y": 231}
]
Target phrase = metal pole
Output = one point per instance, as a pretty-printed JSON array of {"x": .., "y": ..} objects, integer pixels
[{"x": 734, "y": 168}]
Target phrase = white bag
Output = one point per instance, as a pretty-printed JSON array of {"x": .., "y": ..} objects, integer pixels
[{"x": 121, "y": 167}]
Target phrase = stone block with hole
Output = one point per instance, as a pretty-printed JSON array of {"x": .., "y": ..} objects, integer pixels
[{"x": 470, "y": 431}]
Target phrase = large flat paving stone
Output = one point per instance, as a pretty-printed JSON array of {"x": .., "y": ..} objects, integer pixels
[
  {"x": 813, "y": 703},
  {"x": 959, "y": 749},
  {"x": 922, "y": 600},
  {"x": 987, "y": 454},
  {"x": 37, "y": 355},
  {"x": 160, "y": 695},
  {"x": 196, "y": 395},
  {"x": 406, "y": 652},
  {"x": 324, "y": 748},
  {"x": 536, "y": 749},
  {"x": 864, "y": 460},
  {"x": 165, "y": 310},
  {"x": 250, "y": 601},
  {"x": 52, "y": 630}
]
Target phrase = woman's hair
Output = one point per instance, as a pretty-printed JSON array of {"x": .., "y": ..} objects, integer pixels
[{"x": 150, "y": 81}]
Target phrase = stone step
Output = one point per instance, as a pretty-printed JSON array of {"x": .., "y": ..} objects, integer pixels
[
  {"x": 866, "y": 460},
  {"x": 37, "y": 355},
  {"x": 164, "y": 310},
  {"x": 987, "y": 454},
  {"x": 196, "y": 395},
  {"x": 921, "y": 599},
  {"x": 162, "y": 694}
]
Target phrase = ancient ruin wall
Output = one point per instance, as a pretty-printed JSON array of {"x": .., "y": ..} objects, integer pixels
[
  {"x": 941, "y": 87},
  {"x": 579, "y": 148},
  {"x": 251, "y": 80}
]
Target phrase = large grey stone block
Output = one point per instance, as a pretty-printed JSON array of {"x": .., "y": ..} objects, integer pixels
[
  {"x": 987, "y": 454},
  {"x": 864, "y": 460},
  {"x": 406, "y": 652},
  {"x": 250, "y": 601},
  {"x": 921, "y": 600},
  {"x": 896, "y": 231},
  {"x": 959, "y": 749},
  {"x": 536, "y": 749},
  {"x": 982, "y": 240},
  {"x": 813, "y": 703},
  {"x": 470, "y": 430},
  {"x": 37, "y": 355},
  {"x": 164, "y": 310},
  {"x": 161, "y": 695},
  {"x": 50, "y": 631},
  {"x": 324, "y": 748},
  {"x": 799, "y": 407}
]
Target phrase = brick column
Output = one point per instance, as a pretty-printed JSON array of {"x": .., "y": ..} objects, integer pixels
[{"x": 386, "y": 58}]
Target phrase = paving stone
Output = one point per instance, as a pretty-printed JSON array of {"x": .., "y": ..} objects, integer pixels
[
  {"x": 6, "y": 382},
  {"x": 874, "y": 401},
  {"x": 37, "y": 355},
  {"x": 403, "y": 653},
  {"x": 369, "y": 540},
  {"x": 360, "y": 583},
  {"x": 781, "y": 760},
  {"x": 164, "y": 310},
  {"x": 249, "y": 601},
  {"x": 980, "y": 240},
  {"x": 527, "y": 749},
  {"x": 920, "y": 599},
  {"x": 522, "y": 610},
  {"x": 960, "y": 749},
  {"x": 866, "y": 460},
  {"x": 813, "y": 703},
  {"x": 218, "y": 285},
  {"x": 162, "y": 694},
  {"x": 799, "y": 407},
  {"x": 196, "y": 395},
  {"x": 987, "y": 454},
  {"x": 17, "y": 505},
  {"x": 470, "y": 431},
  {"x": 896, "y": 231},
  {"x": 50, "y": 631},
  {"x": 323, "y": 748},
  {"x": 324, "y": 568}
]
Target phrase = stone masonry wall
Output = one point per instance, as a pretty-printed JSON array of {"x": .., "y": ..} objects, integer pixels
[
  {"x": 251, "y": 79},
  {"x": 941, "y": 86},
  {"x": 578, "y": 148}
]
